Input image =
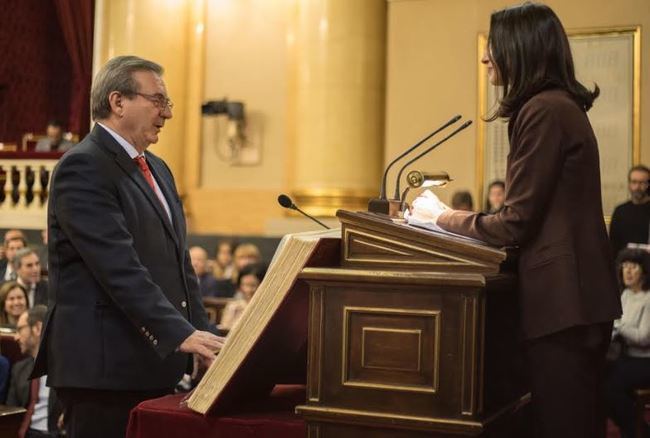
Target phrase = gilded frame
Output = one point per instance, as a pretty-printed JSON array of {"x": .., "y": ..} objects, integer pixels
[{"x": 631, "y": 35}]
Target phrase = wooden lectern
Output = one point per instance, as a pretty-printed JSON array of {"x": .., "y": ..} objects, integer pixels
[{"x": 413, "y": 335}]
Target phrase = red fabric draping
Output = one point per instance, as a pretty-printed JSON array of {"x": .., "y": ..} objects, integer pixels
[
  {"x": 76, "y": 19},
  {"x": 35, "y": 68},
  {"x": 270, "y": 418}
]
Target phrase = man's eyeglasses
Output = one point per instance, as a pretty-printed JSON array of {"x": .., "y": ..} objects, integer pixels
[{"x": 161, "y": 102}]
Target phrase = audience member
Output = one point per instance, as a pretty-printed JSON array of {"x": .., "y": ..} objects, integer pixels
[
  {"x": 244, "y": 255},
  {"x": 631, "y": 369},
  {"x": 223, "y": 261},
  {"x": 207, "y": 282},
  {"x": 630, "y": 220},
  {"x": 7, "y": 272},
  {"x": 13, "y": 302},
  {"x": 27, "y": 265},
  {"x": 43, "y": 411},
  {"x": 496, "y": 195},
  {"x": 462, "y": 200},
  {"x": 44, "y": 256},
  {"x": 248, "y": 280},
  {"x": 53, "y": 141},
  {"x": 9, "y": 235},
  {"x": 5, "y": 366}
]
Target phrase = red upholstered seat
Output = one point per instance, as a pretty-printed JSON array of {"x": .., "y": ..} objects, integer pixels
[{"x": 268, "y": 418}]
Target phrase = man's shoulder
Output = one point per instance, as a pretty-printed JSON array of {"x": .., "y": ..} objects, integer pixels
[
  {"x": 622, "y": 207},
  {"x": 23, "y": 366}
]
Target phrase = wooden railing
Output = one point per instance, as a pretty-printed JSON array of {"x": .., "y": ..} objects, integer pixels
[{"x": 24, "y": 183}]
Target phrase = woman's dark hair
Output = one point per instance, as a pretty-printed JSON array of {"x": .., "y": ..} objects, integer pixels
[
  {"x": 531, "y": 53},
  {"x": 634, "y": 255},
  {"x": 256, "y": 269},
  {"x": 495, "y": 183}
]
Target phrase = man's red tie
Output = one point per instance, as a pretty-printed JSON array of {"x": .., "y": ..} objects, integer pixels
[
  {"x": 34, "y": 386},
  {"x": 144, "y": 168}
]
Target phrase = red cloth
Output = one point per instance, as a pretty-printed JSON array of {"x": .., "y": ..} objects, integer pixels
[{"x": 268, "y": 418}]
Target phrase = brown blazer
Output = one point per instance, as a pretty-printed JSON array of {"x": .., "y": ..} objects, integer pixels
[{"x": 553, "y": 212}]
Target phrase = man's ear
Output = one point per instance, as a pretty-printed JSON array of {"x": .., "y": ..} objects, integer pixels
[
  {"x": 38, "y": 328},
  {"x": 116, "y": 100}
]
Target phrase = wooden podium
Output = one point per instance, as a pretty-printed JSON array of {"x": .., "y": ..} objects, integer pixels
[{"x": 414, "y": 334}]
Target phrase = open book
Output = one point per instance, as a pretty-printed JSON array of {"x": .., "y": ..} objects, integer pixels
[{"x": 268, "y": 345}]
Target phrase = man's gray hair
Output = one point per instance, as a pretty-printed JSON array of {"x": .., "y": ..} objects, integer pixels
[
  {"x": 36, "y": 314},
  {"x": 20, "y": 254},
  {"x": 117, "y": 75}
]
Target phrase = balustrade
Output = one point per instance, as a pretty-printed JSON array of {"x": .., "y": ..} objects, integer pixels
[{"x": 24, "y": 184}]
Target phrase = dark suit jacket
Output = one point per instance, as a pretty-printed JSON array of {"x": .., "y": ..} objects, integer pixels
[
  {"x": 123, "y": 295},
  {"x": 3, "y": 269},
  {"x": 553, "y": 212},
  {"x": 40, "y": 294},
  {"x": 19, "y": 392}
]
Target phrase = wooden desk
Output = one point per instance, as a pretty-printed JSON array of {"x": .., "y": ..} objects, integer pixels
[{"x": 10, "y": 419}]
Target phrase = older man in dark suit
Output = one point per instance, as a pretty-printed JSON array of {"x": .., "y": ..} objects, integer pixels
[{"x": 125, "y": 308}]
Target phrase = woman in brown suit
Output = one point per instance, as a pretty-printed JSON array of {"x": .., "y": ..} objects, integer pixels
[{"x": 553, "y": 213}]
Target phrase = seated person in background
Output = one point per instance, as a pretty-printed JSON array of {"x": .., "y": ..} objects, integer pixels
[
  {"x": 43, "y": 420},
  {"x": 13, "y": 302},
  {"x": 9, "y": 235},
  {"x": 223, "y": 263},
  {"x": 5, "y": 366},
  {"x": 43, "y": 255},
  {"x": 462, "y": 200},
  {"x": 244, "y": 255},
  {"x": 54, "y": 140},
  {"x": 248, "y": 281},
  {"x": 630, "y": 220},
  {"x": 207, "y": 282},
  {"x": 28, "y": 274},
  {"x": 631, "y": 370},
  {"x": 11, "y": 246},
  {"x": 495, "y": 197}
]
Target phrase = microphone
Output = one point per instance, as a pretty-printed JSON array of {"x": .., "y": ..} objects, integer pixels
[
  {"x": 286, "y": 202},
  {"x": 432, "y": 147},
  {"x": 382, "y": 194}
]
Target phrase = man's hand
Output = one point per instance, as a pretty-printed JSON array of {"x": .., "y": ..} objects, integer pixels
[{"x": 204, "y": 344}]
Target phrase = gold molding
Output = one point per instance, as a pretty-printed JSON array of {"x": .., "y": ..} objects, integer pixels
[
  {"x": 418, "y": 333},
  {"x": 449, "y": 260},
  {"x": 435, "y": 314},
  {"x": 412, "y": 277},
  {"x": 576, "y": 33},
  {"x": 313, "y": 431},
  {"x": 386, "y": 417},
  {"x": 316, "y": 324},
  {"x": 468, "y": 375}
]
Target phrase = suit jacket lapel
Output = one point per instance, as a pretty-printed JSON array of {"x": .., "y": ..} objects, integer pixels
[
  {"x": 131, "y": 169},
  {"x": 170, "y": 195}
]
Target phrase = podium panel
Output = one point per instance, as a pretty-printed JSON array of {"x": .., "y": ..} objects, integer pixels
[{"x": 400, "y": 352}]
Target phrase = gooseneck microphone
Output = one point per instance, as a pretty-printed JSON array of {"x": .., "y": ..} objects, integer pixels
[
  {"x": 382, "y": 194},
  {"x": 286, "y": 202},
  {"x": 429, "y": 149}
]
